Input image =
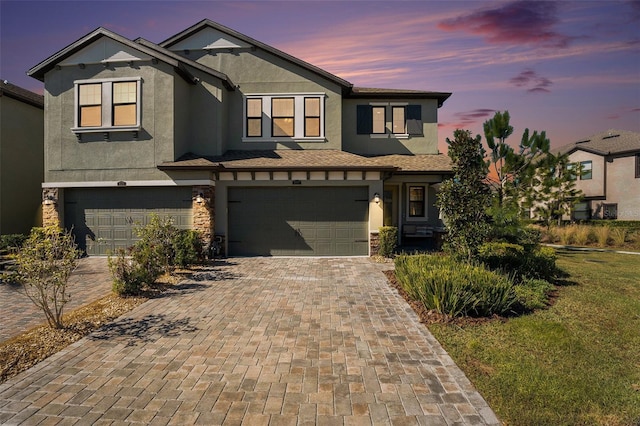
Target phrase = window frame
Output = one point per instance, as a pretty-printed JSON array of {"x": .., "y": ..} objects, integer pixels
[
  {"x": 395, "y": 108},
  {"x": 107, "y": 106},
  {"x": 299, "y": 121},
  {"x": 307, "y": 116},
  {"x": 583, "y": 175},
  {"x": 425, "y": 195},
  {"x": 606, "y": 207},
  {"x": 637, "y": 166},
  {"x": 373, "y": 120},
  {"x": 413, "y": 123},
  {"x": 249, "y": 118}
]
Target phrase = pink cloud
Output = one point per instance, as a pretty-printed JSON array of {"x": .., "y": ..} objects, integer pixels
[
  {"x": 534, "y": 82},
  {"x": 520, "y": 22},
  {"x": 465, "y": 119}
]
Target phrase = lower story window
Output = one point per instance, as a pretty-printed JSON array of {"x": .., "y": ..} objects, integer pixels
[
  {"x": 416, "y": 201},
  {"x": 582, "y": 211},
  {"x": 610, "y": 211}
]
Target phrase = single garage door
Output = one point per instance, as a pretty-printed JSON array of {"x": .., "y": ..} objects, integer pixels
[
  {"x": 296, "y": 221},
  {"x": 103, "y": 219}
]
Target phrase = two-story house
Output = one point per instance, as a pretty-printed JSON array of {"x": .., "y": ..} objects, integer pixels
[
  {"x": 609, "y": 175},
  {"x": 21, "y": 158},
  {"x": 235, "y": 138}
]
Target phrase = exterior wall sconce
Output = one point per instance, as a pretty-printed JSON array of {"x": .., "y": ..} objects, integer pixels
[
  {"x": 200, "y": 198},
  {"x": 49, "y": 199},
  {"x": 376, "y": 198}
]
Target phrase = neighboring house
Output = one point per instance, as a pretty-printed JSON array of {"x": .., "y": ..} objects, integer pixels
[
  {"x": 21, "y": 158},
  {"x": 232, "y": 137},
  {"x": 610, "y": 175}
]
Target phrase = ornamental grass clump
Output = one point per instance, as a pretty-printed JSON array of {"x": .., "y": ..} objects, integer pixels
[
  {"x": 454, "y": 288},
  {"x": 602, "y": 233}
]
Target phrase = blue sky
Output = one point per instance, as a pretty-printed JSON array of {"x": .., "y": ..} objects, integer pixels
[{"x": 571, "y": 68}]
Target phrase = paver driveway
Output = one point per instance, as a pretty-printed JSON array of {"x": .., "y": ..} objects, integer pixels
[{"x": 280, "y": 341}]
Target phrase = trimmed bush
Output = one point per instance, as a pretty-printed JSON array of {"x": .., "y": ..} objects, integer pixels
[
  {"x": 519, "y": 262},
  {"x": 12, "y": 241},
  {"x": 128, "y": 275},
  {"x": 532, "y": 294},
  {"x": 454, "y": 288},
  {"x": 187, "y": 247},
  {"x": 388, "y": 240}
]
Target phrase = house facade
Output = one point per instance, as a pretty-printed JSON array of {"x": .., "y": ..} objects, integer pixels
[
  {"x": 609, "y": 176},
  {"x": 21, "y": 158},
  {"x": 255, "y": 148}
]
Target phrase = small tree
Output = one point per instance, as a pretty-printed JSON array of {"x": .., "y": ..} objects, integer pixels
[
  {"x": 44, "y": 265},
  {"x": 464, "y": 199},
  {"x": 552, "y": 190}
]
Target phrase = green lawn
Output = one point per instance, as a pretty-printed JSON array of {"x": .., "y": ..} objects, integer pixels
[{"x": 575, "y": 363}]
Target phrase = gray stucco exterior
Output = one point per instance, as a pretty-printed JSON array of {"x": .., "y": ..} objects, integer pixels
[
  {"x": 21, "y": 159},
  {"x": 193, "y": 102}
]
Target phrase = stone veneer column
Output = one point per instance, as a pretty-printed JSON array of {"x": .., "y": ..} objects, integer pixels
[
  {"x": 204, "y": 212},
  {"x": 374, "y": 243},
  {"x": 50, "y": 213}
]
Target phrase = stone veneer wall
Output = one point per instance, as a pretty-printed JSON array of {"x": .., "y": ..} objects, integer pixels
[
  {"x": 374, "y": 243},
  {"x": 204, "y": 212},
  {"x": 50, "y": 213}
]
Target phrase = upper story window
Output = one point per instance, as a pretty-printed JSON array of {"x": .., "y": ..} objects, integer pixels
[
  {"x": 274, "y": 117},
  {"x": 586, "y": 170},
  {"x": 405, "y": 120},
  {"x": 583, "y": 169},
  {"x": 107, "y": 105},
  {"x": 637, "y": 166}
]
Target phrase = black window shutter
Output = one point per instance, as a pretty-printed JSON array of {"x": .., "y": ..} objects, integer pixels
[
  {"x": 365, "y": 120},
  {"x": 414, "y": 119}
]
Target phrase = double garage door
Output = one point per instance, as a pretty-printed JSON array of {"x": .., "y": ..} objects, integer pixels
[
  {"x": 103, "y": 219},
  {"x": 298, "y": 221}
]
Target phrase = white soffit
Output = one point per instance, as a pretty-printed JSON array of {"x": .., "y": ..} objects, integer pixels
[
  {"x": 209, "y": 39},
  {"x": 105, "y": 50}
]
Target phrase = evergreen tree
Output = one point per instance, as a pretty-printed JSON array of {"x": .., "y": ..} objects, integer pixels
[{"x": 464, "y": 199}]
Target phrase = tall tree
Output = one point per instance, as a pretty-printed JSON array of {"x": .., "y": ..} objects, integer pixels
[
  {"x": 551, "y": 190},
  {"x": 496, "y": 132},
  {"x": 464, "y": 199}
]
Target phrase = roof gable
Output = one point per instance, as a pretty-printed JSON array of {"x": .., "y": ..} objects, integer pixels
[
  {"x": 104, "y": 46},
  {"x": 216, "y": 35},
  {"x": 105, "y": 50}
]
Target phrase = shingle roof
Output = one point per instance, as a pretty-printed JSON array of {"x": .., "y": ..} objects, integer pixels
[
  {"x": 370, "y": 92},
  {"x": 24, "y": 95},
  {"x": 311, "y": 159},
  {"x": 606, "y": 143}
]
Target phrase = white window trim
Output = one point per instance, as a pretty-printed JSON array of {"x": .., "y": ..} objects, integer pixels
[
  {"x": 426, "y": 202},
  {"x": 107, "y": 105},
  {"x": 299, "y": 118}
]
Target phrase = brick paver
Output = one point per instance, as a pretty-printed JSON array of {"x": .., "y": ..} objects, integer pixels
[
  {"x": 89, "y": 282},
  {"x": 257, "y": 341}
]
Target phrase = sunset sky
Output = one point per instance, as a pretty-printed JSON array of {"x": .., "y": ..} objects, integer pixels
[{"x": 571, "y": 68}]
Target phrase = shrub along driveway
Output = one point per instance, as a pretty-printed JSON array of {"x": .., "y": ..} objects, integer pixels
[
  {"x": 257, "y": 341},
  {"x": 89, "y": 282}
]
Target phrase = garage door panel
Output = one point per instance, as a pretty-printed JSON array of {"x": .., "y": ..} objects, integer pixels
[
  {"x": 103, "y": 218},
  {"x": 297, "y": 221}
]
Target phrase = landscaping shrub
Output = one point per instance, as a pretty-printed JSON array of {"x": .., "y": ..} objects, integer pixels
[
  {"x": 540, "y": 263},
  {"x": 388, "y": 240},
  {"x": 128, "y": 275},
  {"x": 454, "y": 288},
  {"x": 154, "y": 250},
  {"x": 187, "y": 247},
  {"x": 12, "y": 241},
  {"x": 519, "y": 262},
  {"x": 532, "y": 294},
  {"x": 44, "y": 265}
]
